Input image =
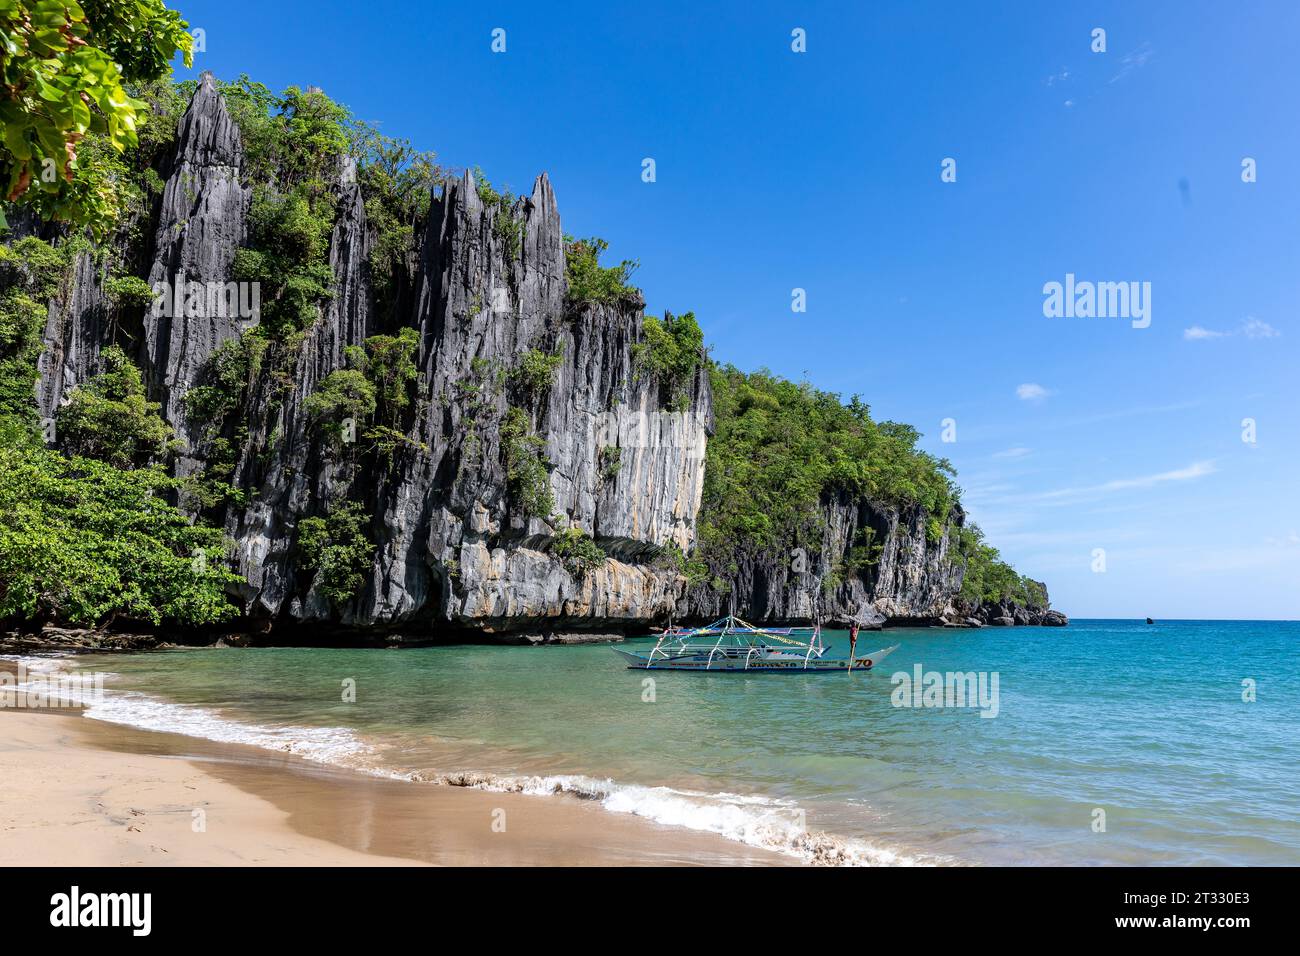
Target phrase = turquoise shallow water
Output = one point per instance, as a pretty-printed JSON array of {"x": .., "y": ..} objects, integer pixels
[{"x": 1146, "y": 723}]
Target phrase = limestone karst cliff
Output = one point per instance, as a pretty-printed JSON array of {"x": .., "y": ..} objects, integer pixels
[{"x": 455, "y": 545}]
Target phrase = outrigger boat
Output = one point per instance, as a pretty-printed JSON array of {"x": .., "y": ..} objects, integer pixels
[{"x": 730, "y": 645}]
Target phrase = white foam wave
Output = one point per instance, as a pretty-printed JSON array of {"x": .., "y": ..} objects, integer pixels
[
  {"x": 52, "y": 662},
  {"x": 328, "y": 745},
  {"x": 752, "y": 820}
]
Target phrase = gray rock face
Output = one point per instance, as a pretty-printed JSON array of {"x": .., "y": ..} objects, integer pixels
[
  {"x": 911, "y": 581},
  {"x": 75, "y": 330},
  {"x": 452, "y": 542},
  {"x": 455, "y": 550},
  {"x": 200, "y": 226}
]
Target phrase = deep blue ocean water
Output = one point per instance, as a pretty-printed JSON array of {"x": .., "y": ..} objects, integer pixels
[{"x": 1114, "y": 742}]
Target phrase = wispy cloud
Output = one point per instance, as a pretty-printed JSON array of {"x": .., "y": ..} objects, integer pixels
[
  {"x": 1134, "y": 60},
  {"x": 1078, "y": 540},
  {"x": 1058, "y": 77},
  {"x": 1195, "y": 470},
  {"x": 1012, "y": 453},
  {"x": 1017, "y": 431},
  {"x": 1125, "y": 413},
  {"x": 1074, "y": 496},
  {"x": 1031, "y": 392},
  {"x": 1251, "y": 328},
  {"x": 1219, "y": 560}
]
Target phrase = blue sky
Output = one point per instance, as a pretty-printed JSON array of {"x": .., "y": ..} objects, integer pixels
[{"x": 821, "y": 170}]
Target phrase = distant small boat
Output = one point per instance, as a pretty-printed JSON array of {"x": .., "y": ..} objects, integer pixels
[{"x": 730, "y": 645}]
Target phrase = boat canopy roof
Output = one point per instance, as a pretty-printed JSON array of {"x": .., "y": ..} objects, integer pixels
[{"x": 731, "y": 630}]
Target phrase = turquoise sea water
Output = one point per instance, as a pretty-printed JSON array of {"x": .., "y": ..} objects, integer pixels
[{"x": 1145, "y": 723}]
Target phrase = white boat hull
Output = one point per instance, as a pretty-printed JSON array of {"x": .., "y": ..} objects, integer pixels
[{"x": 737, "y": 660}]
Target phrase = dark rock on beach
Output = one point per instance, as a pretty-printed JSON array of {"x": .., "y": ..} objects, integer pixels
[{"x": 61, "y": 640}]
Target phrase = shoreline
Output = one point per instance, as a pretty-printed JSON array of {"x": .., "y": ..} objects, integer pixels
[
  {"x": 60, "y": 639},
  {"x": 86, "y": 792},
  {"x": 650, "y": 824}
]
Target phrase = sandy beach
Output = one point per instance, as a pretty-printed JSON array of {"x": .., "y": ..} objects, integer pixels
[{"x": 83, "y": 792}]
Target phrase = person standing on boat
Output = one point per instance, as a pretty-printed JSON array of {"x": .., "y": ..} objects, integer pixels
[{"x": 853, "y": 639}]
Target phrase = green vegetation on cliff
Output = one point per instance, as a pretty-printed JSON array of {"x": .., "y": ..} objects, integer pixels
[
  {"x": 508, "y": 227},
  {"x": 577, "y": 550},
  {"x": 590, "y": 283},
  {"x": 377, "y": 382},
  {"x": 110, "y": 419},
  {"x": 30, "y": 274},
  {"x": 988, "y": 578},
  {"x": 293, "y": 144},
  {"x": 535, "y": 373},
  {"x": 779, "y": 447},
  {"x": 397, "y": 181},
  {"x": 527, "y": 469},
  {"x": 336, "y": 551},
  {"x": 85, "y": 538},
  {"x": 671, "y": 352}
]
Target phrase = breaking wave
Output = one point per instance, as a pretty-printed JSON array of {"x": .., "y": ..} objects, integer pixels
[
  {"x": 752, "y": 820},
  {"x": 328, "y": 745}
]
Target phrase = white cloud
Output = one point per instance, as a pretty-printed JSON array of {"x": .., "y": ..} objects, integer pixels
[
  {"x": 1031, "y": 391},
  {"x": 1012, "y": 453},
  {"x": 1253, "y": 328}
]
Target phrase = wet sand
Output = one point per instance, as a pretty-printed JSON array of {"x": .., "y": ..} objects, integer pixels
[{"x": 85, "y": 792}]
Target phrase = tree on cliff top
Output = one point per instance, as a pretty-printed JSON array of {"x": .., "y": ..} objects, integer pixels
[
  {"x": 62, "y": 73},
  {"x": 589, "y": 281}
]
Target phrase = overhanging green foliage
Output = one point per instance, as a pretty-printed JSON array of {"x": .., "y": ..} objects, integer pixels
[
  {"x": 64, "y": 70},
  {"x": 83, "y": 541}
]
